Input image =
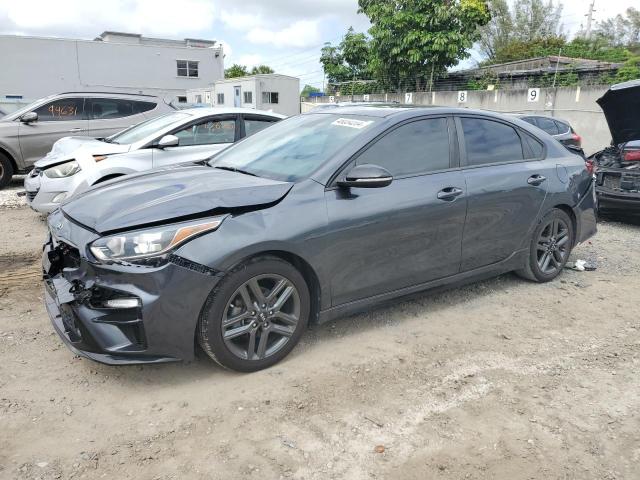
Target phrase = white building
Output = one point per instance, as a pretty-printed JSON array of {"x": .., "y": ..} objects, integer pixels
[
  {"x": 33, "y": 67},
  {"x": 271, "y": 92}
]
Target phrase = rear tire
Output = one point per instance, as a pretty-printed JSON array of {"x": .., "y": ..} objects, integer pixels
[
  {"x": 550, "y": 247},
  {"x": 255, "y": 316},
  {"x": 6, "y": 171}
]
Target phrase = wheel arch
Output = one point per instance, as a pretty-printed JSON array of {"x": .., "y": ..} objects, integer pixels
[
  {"x": 305, "y": 268},
  {"x": 574, "y": 220},
  {"x": 4, "y": 151}
]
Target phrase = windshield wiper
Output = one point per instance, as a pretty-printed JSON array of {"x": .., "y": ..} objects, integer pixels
[{"x": 234, "y": 169}]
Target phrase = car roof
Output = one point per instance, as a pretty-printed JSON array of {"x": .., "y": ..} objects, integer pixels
[
  {"x": 104, "y": 94},
  {"x": 390, "y": 110},
  {"x": 206, "y": 111},
  {"x": 537, "y": 115}
]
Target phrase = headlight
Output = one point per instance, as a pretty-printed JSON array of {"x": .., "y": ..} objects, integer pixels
[
  {"x": 63, "y": 170},
  {"x": 141, "y": 245}
]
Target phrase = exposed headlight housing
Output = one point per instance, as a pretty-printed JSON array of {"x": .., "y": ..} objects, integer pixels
[
  {"x": 143, "y": 246},
  {"x": 62, "y": 170}
]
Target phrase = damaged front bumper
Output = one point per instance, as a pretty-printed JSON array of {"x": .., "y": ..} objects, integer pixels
[{"x": 117, "y": 314}]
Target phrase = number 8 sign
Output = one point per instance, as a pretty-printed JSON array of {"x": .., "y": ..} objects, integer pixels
[
  {"x": 462, "y": 96},
  {"x": 533, "y": 95}
]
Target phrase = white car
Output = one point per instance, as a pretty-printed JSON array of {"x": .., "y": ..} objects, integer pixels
[{"x": 76, "y": 163}]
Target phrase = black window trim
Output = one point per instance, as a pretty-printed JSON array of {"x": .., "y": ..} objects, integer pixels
[
  {"x": 526, "y": 151},
  {"x": 454, "y": 157}
]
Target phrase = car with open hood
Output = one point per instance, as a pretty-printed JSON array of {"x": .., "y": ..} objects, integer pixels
[
  {"x": 617, "y": 167},
  {"x": 319, "y": 216},
  {"x": 27, "y": 134},
  {"x": 77, "y": 163}
]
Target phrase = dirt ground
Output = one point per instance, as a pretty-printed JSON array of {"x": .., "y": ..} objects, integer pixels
[{"x": 503, "y": 379}]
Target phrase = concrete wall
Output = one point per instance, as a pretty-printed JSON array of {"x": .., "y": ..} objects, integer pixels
[
  {"x": 577, "y": 105},
  {"x": 35, "y": 67}
]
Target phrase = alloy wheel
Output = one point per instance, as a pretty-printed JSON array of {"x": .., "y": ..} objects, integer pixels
[
  {"x": 261, "y": 316},
  {"x": 552, "y": 248}
]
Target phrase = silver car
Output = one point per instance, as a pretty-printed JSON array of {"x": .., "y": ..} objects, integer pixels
[
  {"x": 27, "y": 134},
  {"x": 77, "y": 163}
]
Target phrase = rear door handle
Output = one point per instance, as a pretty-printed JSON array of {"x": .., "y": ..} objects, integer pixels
[
  {"x": 449, "y": 193},
  {"x": 78, "y": 129},
  {"x": 536, "y": 180}
]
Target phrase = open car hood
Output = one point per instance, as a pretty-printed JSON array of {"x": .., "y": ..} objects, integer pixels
[
  {"x": 621, "y": 107},
  {"x": 170, "y": 194}
]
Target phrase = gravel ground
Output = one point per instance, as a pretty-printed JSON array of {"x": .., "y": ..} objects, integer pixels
[
  {"x": 501, "y": 379},
  {"x": 9, "y": 197}
]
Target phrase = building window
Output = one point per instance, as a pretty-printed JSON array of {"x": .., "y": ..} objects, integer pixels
[
  {"x": 198, "y": 98},
  {"x": 220, "y": 99},
  {"x": 248, "y": 97},
  {"x": 269, "y": 97},
  {"x": 182, "y": 99},
  {"x": 187, "y": 69}
]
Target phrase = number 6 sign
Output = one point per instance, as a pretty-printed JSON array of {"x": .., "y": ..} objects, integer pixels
[
  {"x": 462, "y": 96},
  {"x": 533, "y": 95}
]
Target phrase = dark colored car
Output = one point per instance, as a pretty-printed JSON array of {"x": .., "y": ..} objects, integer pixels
[
  {"x": 321, "y": 215},
  {"x": 618, "y": 166},
  {"x": 558, "y": 129}
]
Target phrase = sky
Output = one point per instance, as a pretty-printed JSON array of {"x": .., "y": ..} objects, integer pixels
[{"x": 284, "y": 34}]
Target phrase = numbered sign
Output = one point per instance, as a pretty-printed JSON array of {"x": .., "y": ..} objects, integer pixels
[
  {"x": 462, "y": 96},
  {"x": 332, "y": 99},
  {"x": 533, "y": 95},
  {"x": 408, "y": 97},
  {"x": 365, "y": 98}
]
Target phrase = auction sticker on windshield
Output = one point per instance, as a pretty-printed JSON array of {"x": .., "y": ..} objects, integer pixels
[{"x": 351, "y": 123}]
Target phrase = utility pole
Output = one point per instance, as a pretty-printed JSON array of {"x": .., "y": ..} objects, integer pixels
[{"x": 589, "y": 16}]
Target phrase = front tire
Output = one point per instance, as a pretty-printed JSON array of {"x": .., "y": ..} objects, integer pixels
[
  {"x": 255, "y": 316},
  {"x": 550, "y": 247},
  {"x": 6, "y": 171}
]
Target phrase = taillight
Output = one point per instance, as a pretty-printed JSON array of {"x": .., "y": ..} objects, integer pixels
[
  {"x": 590, "y": 166},
  {"x": 576, "y": 138},
  {"x": 632, "y": 156}
]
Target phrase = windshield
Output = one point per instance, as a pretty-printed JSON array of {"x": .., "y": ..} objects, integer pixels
[
  {"x": 294, "y": 148},
  {"x": 144, "y": 129}
]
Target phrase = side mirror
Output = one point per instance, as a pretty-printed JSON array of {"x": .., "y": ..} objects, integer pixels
[
  {"x": 366, "y": 176},
  {"x": 168, "y": 141},
  {"x": 29, "y": 117}
]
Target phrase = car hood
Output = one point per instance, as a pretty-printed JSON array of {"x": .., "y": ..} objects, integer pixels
[
  {"x": 170, "y": 194},
  {"x": 621, "y": 107},
  {"x": 65, "y": 148}
]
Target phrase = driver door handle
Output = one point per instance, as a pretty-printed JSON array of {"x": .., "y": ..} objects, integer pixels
[
  {"x": 77, "y": 129},
  {"x": 536, "y": 180},
  {"x": 450, "y": 193}
]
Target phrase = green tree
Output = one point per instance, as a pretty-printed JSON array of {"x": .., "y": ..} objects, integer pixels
[
  {"x": 411, "y": 37},
  {"x": 236, "y": 70},
  {"x": 621, "y": 29},
  {"x": 348, "y": 60},
  {"x": 511, "y": 29},
  {"x": 262, "y": 69},
  {"x": 308, "y": 90}
]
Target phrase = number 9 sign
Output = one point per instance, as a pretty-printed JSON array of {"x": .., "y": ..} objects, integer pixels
[
  {"x": 533, "y": 95},
  {"x": 462, "y": 96}
]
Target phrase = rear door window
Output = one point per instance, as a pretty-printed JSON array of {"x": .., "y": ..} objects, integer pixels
[
  {"x": 67, "y": 109},
  {"x": 548, "y": 125},
  {"x": 141, "y": 107},
  {"x": 255, "y": 124},
  {"x": 487, "y": 141},
  {"x": 414, "y": 148},
  {"x": 108, "y": 108}
]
